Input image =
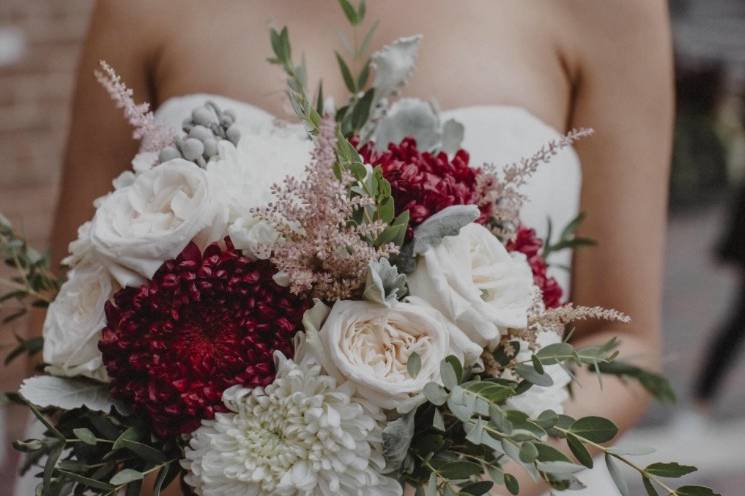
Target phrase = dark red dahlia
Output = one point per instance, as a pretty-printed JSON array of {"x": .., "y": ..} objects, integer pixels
[
  {"x": 528, "y": 243},
  {"x": 425, "y": 183},
  {"x": 203, "y": 323}
]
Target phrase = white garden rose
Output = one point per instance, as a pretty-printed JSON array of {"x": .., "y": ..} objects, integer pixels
[
  {"x": 244, "y": 176},
  {"x": 74, "y": 322},
  {"x": 139, "y": 226},
  {"x": 370, "y": 345},
  {"x": 473, "y": 281}
]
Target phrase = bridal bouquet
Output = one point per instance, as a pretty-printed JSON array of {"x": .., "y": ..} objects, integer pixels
[{"x": 381, "y": 319}]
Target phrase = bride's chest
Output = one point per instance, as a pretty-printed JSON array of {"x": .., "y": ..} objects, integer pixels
[{"x": 467, "y": 57}]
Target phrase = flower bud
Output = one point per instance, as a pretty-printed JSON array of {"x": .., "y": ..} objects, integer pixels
[
  {"x": 168, "y": 153},
  {"x": 233, "y": 134},
  {"x": 192, "y": 149},
  {"x": 200, "y": 132}
]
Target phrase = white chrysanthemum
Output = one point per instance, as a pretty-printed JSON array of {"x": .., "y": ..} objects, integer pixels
[{"x": 302, "y": 435}]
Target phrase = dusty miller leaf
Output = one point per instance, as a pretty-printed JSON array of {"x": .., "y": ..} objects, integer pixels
[
  {"x": 397, "y": 437},
  {"x": 384, "y": 284},
  {"x": 393, "y": 64},
  {"x": 452, "y": 136},
  {"x": 48, "y": 391},
  {"x": 446, "y": 222},
  {"x": 409, "y": 117}
]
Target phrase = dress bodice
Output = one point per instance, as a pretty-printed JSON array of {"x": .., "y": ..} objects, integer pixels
[{"x": 497, "y": 135}]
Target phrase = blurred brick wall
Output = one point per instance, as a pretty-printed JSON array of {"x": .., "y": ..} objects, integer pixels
[{"x": 34, "y": 107}]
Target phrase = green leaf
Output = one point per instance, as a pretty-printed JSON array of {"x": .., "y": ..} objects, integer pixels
[
  {"x": 459, "y": 470},
  {"x": 649, "y": 487},
  {"x": 143, "y": 450},
  {"x": 579, "y": 451},
  {"x": 361, "y": 10},
  {"x": 595, "y": 429},
  {"x": 364, "y": 75},
  {"x": 617, "y": 476},
  {"x": 695, "y": 491},
  {"x": 555, "y": 353},
  {"x": 435, "y": 394},
  {"x": 51, "y": 463},
  {"x": 511, "y": 484},
  {"x": 126, "y": 476},
  {"x": 346, "y": 73},
  {"x": 528, "y": 452},
  {"x": 349, "y": 12},
  {"x": 457, "y": 366},
  {"x": 437, "y": 421},
  {"x": 361, "y": 111},
  {"x": 85, "y": 435},
  {"x": 414, "y": 364},
  {"x": 655, "y": 384},
  {"x": 538, "y": 366},
  {"x": 365, "y": 45},
  {"x": 448, "y": 375},
  {"x": 559, "y": 467},
  {"x": 477, "y": 488},
  {"x": 669, "y": 470},
  {"x": 319, "y": 98},
  {"x": 533, "y": 376},
  {"x": 86, "y": 481}
]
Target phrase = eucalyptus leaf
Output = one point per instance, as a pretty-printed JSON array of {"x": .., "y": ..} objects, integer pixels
[
  {"x": 579, "y": 451},
  {"x": 595, "y": 429},
  {"x": 695, "y": 491},
  {"x": 414, "y": 364},
  {"x": 126, "y": 476},
  {"x": 617, "y": 476},
  {"x": 669, "y": 470},
  {"x": 533, "y": 376},
  {"x": 447, "y": 222}
]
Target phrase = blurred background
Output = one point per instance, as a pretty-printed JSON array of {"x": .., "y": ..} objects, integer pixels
[{"x": 704, "y": 291}]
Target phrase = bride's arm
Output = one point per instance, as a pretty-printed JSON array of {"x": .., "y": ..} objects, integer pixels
[{"x": 622, "y": 70}]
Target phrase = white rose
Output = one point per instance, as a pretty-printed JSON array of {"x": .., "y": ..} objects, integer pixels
[
  {"x": 138, "y": 227},
  {"x": 80, "y": 249},
  {"x": 244, "y": 177},
  {"x": 473, "y": 281},
  {"x": 254, "y": 237},
  {"x": 539, "y": 398},
  {"x": 369, "y": 345},
  {"x": 74, "y": 322}
]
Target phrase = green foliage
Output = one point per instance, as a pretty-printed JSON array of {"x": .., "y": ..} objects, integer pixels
[
  {"x": 90, "y": 452},
  {"x": 655, "y": 384},
  {"x": 567, "y": 239},
  {"x": 30, "y": 284}
]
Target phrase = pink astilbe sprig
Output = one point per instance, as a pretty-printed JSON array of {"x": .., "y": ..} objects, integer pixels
[
  {"x": 500, "y": 189},
  {"x": 154, "y": 135},
  {"x": 320, "y": 250},
  {"x": 559, "y": 317}
]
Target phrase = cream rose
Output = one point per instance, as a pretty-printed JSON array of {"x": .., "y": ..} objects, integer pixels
[
  {"x": 473, "y": 281},
  {"x": 139, "y": 226},
  {"x": 74, "y": 322},
  {"x": 369, "y": 345}
]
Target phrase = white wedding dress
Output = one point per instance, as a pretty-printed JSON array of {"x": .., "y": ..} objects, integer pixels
[{"x": 493, "y": 134}]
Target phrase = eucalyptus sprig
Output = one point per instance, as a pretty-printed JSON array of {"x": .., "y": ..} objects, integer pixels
[
  {"x": 30, "y": 284},
  {"x": 92, "y": 452},
  {"x": 465, "y": 433}
]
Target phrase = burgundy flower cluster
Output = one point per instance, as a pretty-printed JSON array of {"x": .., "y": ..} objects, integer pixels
[
  {"x": 528, "y": 243},
  {"x": 425, "y": 183},
  {"x": 203, "y": 323}
]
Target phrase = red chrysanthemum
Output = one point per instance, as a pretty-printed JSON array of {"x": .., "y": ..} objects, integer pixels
[
  {"x": 203, "y": 323},
  {"x": 425, "y": 183},
  {"x": 528, "y": 243}
]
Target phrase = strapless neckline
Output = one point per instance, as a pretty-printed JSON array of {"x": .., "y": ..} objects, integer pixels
[{"x": 180, "y": 100}]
